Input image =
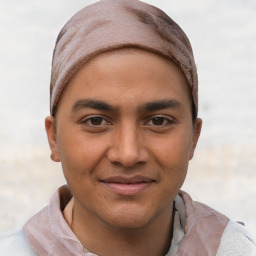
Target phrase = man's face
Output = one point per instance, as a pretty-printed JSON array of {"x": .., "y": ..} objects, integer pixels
[{"x": 124, "y": 136}]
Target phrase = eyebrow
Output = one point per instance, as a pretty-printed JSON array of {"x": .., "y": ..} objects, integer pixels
[
  {"x": 161, "y": 104},
  {"x": 150, "y": 106},
  {"x": 95, "y": 104}
]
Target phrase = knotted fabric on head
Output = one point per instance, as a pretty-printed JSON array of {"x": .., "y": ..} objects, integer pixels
[{"x": 113, "y": 24}]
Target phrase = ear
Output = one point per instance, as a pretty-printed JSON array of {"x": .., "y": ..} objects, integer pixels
[
  {"x": 197, "y": 126},
  {"x": 51, "y": 134}
]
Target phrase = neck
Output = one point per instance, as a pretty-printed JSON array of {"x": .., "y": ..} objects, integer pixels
[{"x": 153, "y": 239}]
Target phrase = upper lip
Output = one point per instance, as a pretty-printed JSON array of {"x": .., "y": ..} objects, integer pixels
[{"x": 128, "y": 180}]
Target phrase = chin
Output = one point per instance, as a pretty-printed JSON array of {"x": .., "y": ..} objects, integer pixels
[
  {"x": 128, "y": 217},
  {"x": 129, "y": 222}
]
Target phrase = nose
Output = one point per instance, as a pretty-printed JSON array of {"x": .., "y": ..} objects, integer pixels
[{"x": 127, "y": 148}]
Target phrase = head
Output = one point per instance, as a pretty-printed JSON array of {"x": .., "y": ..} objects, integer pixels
[{"x": 123, "y": 121}]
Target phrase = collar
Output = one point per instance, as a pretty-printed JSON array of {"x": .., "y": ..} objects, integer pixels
[{"x": 197, "y": 228}]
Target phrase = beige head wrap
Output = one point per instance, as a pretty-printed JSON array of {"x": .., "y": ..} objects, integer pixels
[{"x": 112, "y": 24}]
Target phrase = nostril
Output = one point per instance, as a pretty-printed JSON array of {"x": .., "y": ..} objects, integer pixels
[{"x": 118, "y": 164}]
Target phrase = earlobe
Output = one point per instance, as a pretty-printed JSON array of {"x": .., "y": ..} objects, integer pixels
[
  {"x": 196, "y": 134},
  {"x": 51, "y": 134}
]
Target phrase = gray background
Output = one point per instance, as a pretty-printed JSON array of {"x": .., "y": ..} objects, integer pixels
[{"x": 223, "y": 171}]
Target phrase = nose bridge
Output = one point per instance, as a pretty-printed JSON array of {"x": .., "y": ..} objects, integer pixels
[{"x": 127, "y": 147}]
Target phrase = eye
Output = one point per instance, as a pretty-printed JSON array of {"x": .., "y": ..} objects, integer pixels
[
  {"x": 159, "y": 121},
  {"x": 95, "y": 121}
]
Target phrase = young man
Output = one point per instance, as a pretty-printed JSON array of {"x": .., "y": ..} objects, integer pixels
[{"x": 124, "y": 126}]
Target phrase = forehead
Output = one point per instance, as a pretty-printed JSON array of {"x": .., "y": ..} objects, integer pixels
[{"x": 124, "y": 74}]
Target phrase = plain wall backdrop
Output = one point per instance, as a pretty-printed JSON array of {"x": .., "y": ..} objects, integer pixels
[{"x": 223, "y": 171}]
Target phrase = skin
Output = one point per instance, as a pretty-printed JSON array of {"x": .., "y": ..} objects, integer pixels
[{"x": 126, "y": 113}]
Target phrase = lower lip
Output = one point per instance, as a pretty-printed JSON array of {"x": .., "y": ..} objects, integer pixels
[{"x": 128, "y": 189}]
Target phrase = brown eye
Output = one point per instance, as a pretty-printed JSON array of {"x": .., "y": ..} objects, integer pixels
[
  {"x": 158, "y": 121},
  {"x": 96, "y": 120}
]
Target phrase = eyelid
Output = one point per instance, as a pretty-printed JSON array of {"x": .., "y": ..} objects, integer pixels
[
  {"x": 84, "y": 120},
  {"x": 169, "y": 119}
]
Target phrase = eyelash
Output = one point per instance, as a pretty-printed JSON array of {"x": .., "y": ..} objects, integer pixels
[
  {"x": 165, "y": 121},
  {"x": 90, "y": 118}
]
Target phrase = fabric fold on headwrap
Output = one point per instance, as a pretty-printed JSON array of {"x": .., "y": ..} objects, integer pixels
[{"x": 113, "y": 24}]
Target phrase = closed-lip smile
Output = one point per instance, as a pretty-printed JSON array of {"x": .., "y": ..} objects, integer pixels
[{"x": 128, "y": 186}]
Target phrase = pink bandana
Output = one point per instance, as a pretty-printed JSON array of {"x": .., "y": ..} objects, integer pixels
[{"x": 113, "y": 24}]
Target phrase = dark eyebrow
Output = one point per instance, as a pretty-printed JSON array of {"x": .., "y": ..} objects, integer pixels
[
  {"x": 90, "y": 103},
  {"x": 161, "y": 104},
  {"x": 101, "y": 105}
]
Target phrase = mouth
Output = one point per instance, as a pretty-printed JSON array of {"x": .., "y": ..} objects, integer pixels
[{"x": 128, "y": 186}]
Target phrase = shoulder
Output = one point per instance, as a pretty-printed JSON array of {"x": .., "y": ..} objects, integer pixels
[
  {"x": 236, "y": 241},
  {"x": 15, "y": 245}
]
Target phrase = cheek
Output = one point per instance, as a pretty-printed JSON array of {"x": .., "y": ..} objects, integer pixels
[
  {"x": 79, "y": 155},
  {"x": 173, "y": 150},
  {"x": 172, "y": 154}
]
